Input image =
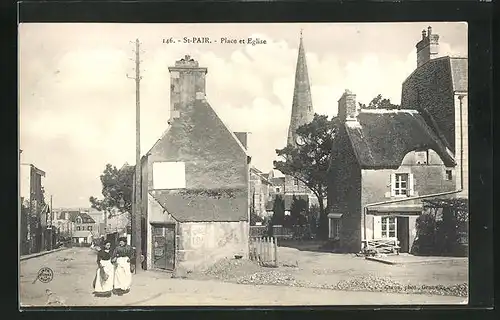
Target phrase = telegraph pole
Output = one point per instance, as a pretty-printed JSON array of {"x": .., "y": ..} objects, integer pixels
[
  {"x": 51, "y": 225},
  {"x": 137, "y": 177}
]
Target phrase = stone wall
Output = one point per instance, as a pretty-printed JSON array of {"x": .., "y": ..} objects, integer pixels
[
  {"x": 344, "y": 192},
  {"x": 203, "y": 243}
]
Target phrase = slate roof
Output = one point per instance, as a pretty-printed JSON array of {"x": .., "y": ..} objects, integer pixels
[
  {"x": 221, "y": 205},
  {"x": 382, "y": 138},
  {"x": 86, "y": 218}
]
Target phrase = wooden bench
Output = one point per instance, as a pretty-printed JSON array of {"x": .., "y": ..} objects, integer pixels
[{"x": 384, "y": 245}]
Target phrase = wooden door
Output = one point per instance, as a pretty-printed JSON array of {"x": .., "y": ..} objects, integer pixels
[
  {"x": 403, "y": 232},
  {"x": 163, "y": 247}
]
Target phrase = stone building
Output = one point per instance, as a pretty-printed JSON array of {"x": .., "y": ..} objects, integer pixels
[
  {"x": 195, "y": 181},
  {"x": 302, "y": 113},
  {"x": 260, "y": 191},
  {"x": 438, "y": 89},
  {"x": 385, "y": 161},
  {"x": 380, "y": 156},
  {"x": 33, "y": 215}
]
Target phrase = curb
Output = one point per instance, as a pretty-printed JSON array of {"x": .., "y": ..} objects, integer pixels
[
  {"x": 39, "y": 254},
  {"x": 381, "y": 260}
]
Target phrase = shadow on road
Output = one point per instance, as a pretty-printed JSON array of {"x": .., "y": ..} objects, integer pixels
[{"x": 304, "y": 245}]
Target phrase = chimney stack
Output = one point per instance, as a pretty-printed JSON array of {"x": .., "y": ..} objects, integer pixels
[
  {"x": 187, "y": 84},
  {"x": 348, "y": 108},
  {"x": 428, "y": 47}
]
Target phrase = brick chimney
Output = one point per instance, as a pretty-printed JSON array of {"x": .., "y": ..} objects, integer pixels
[
  {"x": 428, "y": 47},
  {"x": 348, "y": 108},
  {"x": 187, "y": 84}
]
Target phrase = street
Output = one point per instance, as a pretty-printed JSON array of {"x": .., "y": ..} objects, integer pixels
[{"x": 73, "y": 272}]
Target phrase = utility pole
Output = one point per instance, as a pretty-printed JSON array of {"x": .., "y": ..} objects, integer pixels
[
  {"x": 51, "y": 239},
  {"x": 136, "y": 196}
]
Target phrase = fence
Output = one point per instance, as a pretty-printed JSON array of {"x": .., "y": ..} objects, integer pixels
[{"x": 264, "y": 250}]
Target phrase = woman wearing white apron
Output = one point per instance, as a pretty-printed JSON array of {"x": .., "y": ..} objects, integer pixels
[
  {"x": 123, "y": 276},
  {"x": 103, "y": 281}
]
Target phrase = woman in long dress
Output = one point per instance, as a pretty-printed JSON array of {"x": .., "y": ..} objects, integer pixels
[
  {"x": 104, "y": 279},
  {"x": 123, "y": 276}
]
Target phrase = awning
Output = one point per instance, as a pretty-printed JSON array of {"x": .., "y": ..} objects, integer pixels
[
  {"x": 335, "y": 215},
  {"x": 408, "y": 209}
]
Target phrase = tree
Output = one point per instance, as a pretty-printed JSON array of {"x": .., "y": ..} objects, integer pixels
[
  {"x": 309, "y": 161},
  {"x": 297, "y": 211},
  {"x": 379, "y": 103},
  {"x": 278, "y": 217},
  {"x": 117, "y": 184}
]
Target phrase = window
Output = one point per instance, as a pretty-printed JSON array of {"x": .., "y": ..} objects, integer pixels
[
  {"x": 169, "y": 175},
  {"x": 295, "y": 181},
  {"x": 334, "y": 228},
  {"x": 278, "y": 189},
  {"x": 78, "y": 228},
  {"x": 84, "y": 240},
  {"x": 79, "y": 220},
  {"x": 89, "y": 228},
  {"x": 449, "y": 175},
  {"x": 388, "y": 227},
  {"x": 401, "y": 184},
  {"x": 422, "y": 157}
]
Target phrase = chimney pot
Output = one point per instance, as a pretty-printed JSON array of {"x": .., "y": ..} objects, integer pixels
[{"x": 424, "y": 33}]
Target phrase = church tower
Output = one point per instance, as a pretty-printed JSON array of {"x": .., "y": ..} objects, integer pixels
[
  {"x": 302, "y": 113},
  {"x": 302, "y": 109}
]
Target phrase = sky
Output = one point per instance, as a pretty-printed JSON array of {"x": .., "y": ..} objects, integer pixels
[{"x": 77, "y": 105}]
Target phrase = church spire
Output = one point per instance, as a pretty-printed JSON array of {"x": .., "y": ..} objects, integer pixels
[{"x": 302, "y": 109}]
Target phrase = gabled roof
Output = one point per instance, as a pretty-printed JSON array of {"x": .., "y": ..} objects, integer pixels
[
  {"x": 86, "y": 218},
  {"x": 382, "y": 138},
  {"x": 187, "y": 205}
]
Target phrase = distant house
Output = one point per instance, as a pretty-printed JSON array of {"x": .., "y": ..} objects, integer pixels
[
  {"x": 195, "y": 181},
  {"x": 82, "y": 237},
  {"x": 260, "y": 191}
]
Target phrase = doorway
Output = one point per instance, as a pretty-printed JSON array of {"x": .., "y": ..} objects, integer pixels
[
  {"x": 403, "y": 234},
  {"x": 163, "y": 246}
]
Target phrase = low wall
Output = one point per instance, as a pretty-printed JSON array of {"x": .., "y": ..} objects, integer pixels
[{"x": 203, "y": 243}]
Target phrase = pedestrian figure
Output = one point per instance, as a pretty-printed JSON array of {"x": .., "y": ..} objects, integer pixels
[
  {"x": 103, "y": 281},
  {"x": 123, "y": 276}
]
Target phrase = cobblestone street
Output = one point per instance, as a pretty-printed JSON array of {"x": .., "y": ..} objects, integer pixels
[{"x": 74, "y": 271}]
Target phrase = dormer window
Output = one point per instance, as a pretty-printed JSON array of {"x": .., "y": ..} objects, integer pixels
[
  {"x": 78, "y": 220},
  {"x": 422, "y": 157}
]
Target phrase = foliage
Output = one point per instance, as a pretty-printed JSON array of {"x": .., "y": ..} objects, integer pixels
[
  {"x": 439, "y": 231},
  {"x": 278, "y": 217},
  {"x": 298, "y": 211},
  {"x": 312, "y": 218},
  {"x": 255, "y": 218},
  {"x": 309, "y": 162},
  {"x": 379, "y": 103},
  {"x": 117, "y": 184}
]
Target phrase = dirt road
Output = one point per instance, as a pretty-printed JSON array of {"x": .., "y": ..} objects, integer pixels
[{"x": 74, "y": 271}]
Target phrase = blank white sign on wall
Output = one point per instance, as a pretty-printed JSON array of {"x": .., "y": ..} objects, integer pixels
[{"x": 169, "y": 175}]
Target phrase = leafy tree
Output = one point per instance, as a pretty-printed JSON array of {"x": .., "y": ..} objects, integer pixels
[
  {"x": 379, "y": 103},
  {"x": 298, "y": 208},
  {"x": 309, "y": 161},
  {"x": 278, "y": 217},
  {"x": 117, "y": 184}
]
